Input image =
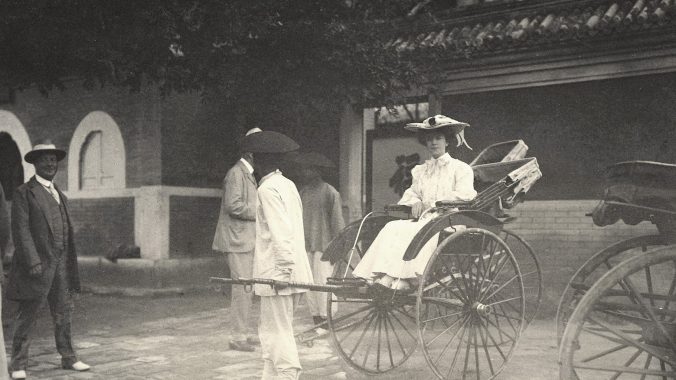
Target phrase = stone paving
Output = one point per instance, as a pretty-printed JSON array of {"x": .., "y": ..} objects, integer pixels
[{"x": 195, "y": 347}]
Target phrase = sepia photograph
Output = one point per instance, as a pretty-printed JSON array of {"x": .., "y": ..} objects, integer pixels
[{"x": 338, "y": 189}]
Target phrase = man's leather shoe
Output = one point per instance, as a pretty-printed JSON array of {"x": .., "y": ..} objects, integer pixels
[
  {"x": 241, "y": 346},
  {"x": 19, "y": 374},
  {"x": 77, "y": 366}
]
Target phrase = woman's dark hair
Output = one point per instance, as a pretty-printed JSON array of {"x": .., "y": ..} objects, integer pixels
[{"x": 423, "y": 135}]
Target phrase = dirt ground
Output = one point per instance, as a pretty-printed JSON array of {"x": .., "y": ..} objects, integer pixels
[{"x": 126, "y": 317}]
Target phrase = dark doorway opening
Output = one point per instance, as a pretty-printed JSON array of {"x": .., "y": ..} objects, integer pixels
[{"x": 11, "y": 169}]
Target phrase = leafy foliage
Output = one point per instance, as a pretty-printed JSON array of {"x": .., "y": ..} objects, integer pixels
[{"x": 248, "y": 54}]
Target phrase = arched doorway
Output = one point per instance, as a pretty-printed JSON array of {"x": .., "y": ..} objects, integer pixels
[
  {"x": 11, "y": 168},
  {"x": 10, "y": 125}
]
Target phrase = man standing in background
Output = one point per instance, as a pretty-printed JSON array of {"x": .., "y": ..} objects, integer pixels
[
  {"x": 323, "y": 220},
  {"x": 236, "y": 236}
]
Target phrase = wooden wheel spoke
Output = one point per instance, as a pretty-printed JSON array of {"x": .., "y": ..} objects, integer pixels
[
  {"x": 469, "y": 339},
  {"x": 446, "y": 330},
  {"x": 457, "y": 351},
  {"x": 394, "y": 332},
  {"x": 363, "y": 333},
  {"x": 354, "y": 325},
  {"x": 485, "y": 345},
  {"x": 641, "y": 371},
  {"x": 402, "y": 324},
  {"x": 651, "y": 312},
  {"x": 504, "y": 312},
  {"x": 389, "y": 346},
  {"x": 627, "y": 363},
  {"x": 461, "y": 328},
  {"x": 646, "y": 365},
  {"x": 490, "y": 336},
  {"x": 502, "y": 332},
  {"x": 503, "y": 301},
  {"x": 628, "y": 339},
  {"x": 603, "y": 353}
]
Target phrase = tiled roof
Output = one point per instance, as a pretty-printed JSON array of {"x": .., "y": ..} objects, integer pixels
[{"x": 530, "y": 27}]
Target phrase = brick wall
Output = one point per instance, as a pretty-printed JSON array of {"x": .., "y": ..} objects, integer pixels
[
  {"x": 564, "y": 238},
  {"x": 57, "y": 116},
  {"x": 102, "y": 224},
  {"x": 200, "y": 138},
  {"x": 192, "y": 223}
]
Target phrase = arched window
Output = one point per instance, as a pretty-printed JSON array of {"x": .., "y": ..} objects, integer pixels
[{"x": 96, "y": 158}]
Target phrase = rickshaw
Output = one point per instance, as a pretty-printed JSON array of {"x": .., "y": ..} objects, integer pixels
[
  {"x": 617, "y": 316},
  {"x": 480, "y": 288}
]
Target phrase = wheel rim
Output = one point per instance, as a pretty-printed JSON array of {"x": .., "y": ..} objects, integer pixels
[
  {"x": 470, "y": 306},
  {"x": 625, "y": 324},
  {"x": 373, "y": 332},
  {"x": 595, "y": 267},
  {"x": 531, "y": 272}
]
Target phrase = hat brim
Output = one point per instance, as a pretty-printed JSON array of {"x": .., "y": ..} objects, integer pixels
[
  {"x": 313, "y": 159},
  {"x": 33, "y": 155},
  {"x": 456, "y": 127},
  {"x": 268, "y": 142}
]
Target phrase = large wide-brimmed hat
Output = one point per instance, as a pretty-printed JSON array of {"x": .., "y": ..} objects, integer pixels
[
  {"x": 312, "y": 159},
  {"x": 268, "y": 142},
  {"x": 44, "y": 147},
  {"x": 440, "y": 121}
]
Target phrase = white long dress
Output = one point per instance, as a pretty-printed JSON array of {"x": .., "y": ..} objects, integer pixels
[{"x": 444, "y": 178}]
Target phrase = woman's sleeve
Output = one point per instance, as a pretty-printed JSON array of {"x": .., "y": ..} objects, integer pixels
[
  {"x": 464, "y": 184},
  {"x": 413, "y": 194}
]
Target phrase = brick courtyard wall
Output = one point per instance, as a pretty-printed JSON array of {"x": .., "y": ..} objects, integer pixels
[
  {"x": 57, "y": 116},
  {"x": 102, "y": 224},
  {"x": 198, "y": 142},
  {"x": 192, "y": 223},
  {"x": 564, "y": 238}
]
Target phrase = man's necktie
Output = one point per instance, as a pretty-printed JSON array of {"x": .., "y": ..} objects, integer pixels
[{"x": 54, "y": 193}]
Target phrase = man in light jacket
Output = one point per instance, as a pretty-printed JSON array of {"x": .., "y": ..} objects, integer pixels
[
  {"x": 279, "y": 254},
  {"x": 235, "y": 236}
]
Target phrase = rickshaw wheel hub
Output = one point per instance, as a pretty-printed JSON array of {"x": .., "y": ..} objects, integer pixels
[{"x": 481, "y": 309}]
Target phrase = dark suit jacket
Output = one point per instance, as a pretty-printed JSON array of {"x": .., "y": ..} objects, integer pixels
[
  {"x": 4, "y": 224},
  {"x": 33, "y": 242}
]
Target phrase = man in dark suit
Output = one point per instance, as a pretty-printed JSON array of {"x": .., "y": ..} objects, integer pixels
[{"x": 44, "y": 266}]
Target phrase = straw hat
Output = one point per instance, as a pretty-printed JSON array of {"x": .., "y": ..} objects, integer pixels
[
  {"x": 268, "y": 142},
  {"x": 44, "y": 147},
  {"x": 441, "y": 121}
]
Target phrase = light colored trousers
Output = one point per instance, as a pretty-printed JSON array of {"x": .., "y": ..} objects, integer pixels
[
  {"x": 241, "y": 302},
  {"x": 278, "y": 345},
  {"x": 321, "y": 270}
]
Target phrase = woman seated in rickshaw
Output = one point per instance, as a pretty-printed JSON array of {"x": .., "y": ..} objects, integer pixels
[{"x": 439, "y": 178}]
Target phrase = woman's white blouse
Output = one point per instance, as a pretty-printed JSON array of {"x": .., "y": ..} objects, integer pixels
[{"x": 444, "y": 178}]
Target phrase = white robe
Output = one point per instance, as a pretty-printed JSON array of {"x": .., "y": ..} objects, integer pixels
[
  {"x": 444, "y": 178},
  {"x": 280, "y": 240}
]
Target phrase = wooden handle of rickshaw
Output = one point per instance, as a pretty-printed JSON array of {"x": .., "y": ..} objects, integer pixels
[{"x": 452, "y": 203}]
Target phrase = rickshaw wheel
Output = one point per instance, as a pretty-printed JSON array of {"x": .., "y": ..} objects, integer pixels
[
  {"x": 595, "y": 267},
  {"x": 470, "y": 306},
  {"x": 531, "y": 272},
  {"x": 373, "y": 332},
  {"x": 625, "y": 324}
]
